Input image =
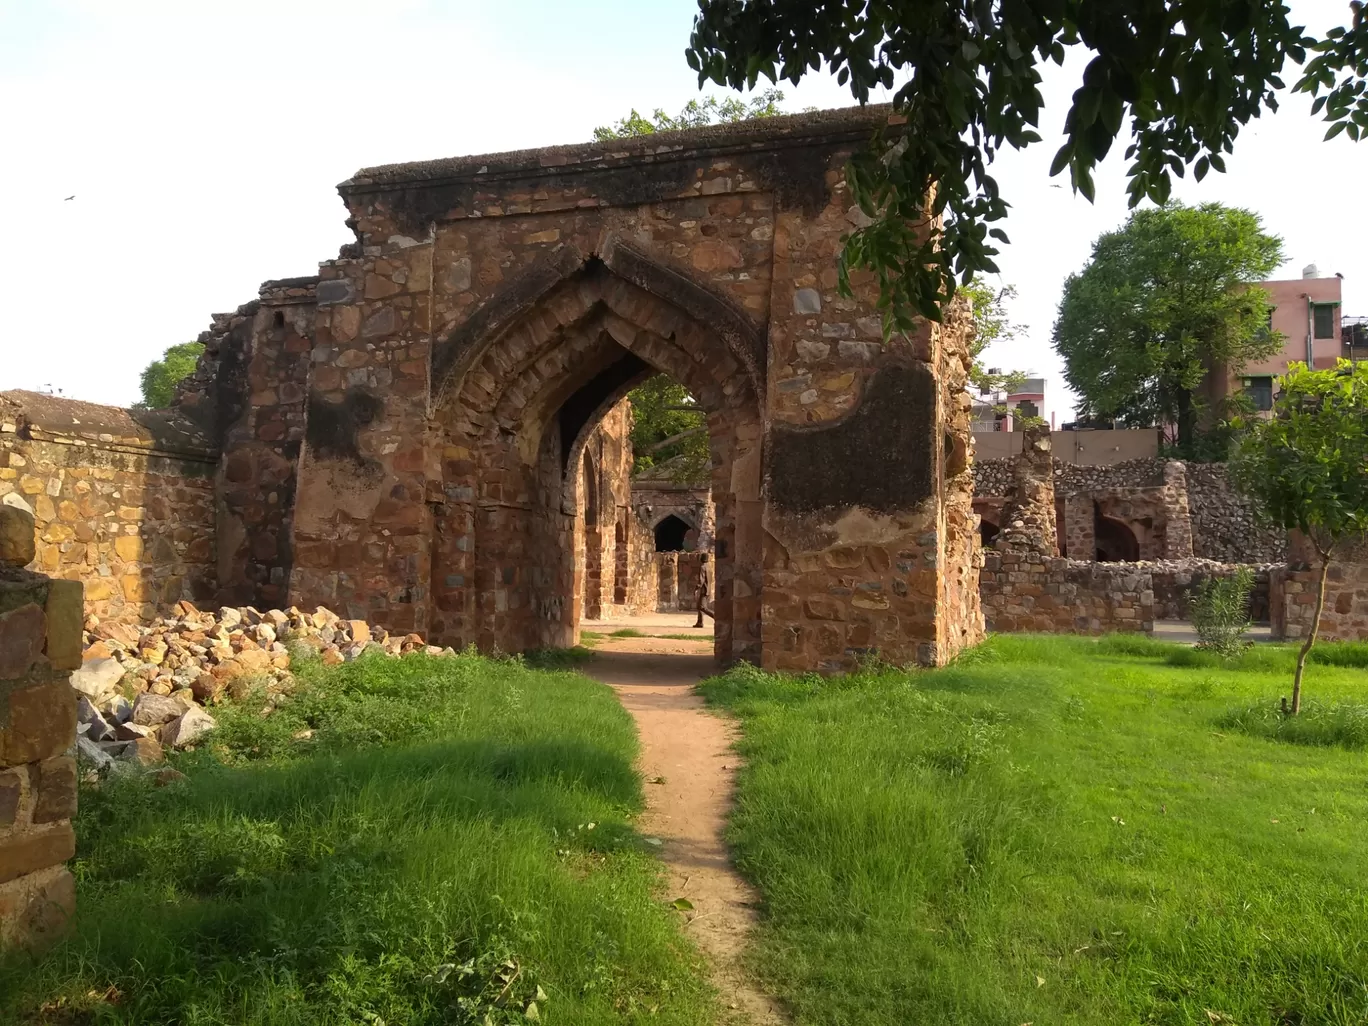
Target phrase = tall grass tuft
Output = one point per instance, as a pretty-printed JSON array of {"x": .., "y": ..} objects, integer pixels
[{"x": 1340, "y": 724}]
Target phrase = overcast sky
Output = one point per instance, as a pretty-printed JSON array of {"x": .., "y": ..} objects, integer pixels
[{"x": 202, "y": 143}]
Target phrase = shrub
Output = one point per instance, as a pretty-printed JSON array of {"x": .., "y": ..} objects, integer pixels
[{"x": 1219, "y": 612}]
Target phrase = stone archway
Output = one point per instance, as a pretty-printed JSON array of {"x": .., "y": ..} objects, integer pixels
[
  {"x": 492, "y": 306},
  {"x": 523, "y": 402}
]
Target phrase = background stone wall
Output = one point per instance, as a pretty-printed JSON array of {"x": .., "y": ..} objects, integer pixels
[
  {"x": 1029, "y": 592},
  {"x": 123, "y": 500},
  {"x": 1223, "y": 526},
  {"x": 40, "y": 643},
  {"x": 1293, "y": 593}
]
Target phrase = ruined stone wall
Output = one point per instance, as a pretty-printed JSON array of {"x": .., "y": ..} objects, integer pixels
[
  {"x": 1293, "y": 594},
  {"x": 509, "y": 298},
  {"x": 248, "y": 392},
  {"x": 640, "y": 584},
  {"x": 1175, "y": 584},
  {"x": 1028, "y": 592},
  {"x": 656, "y": 498},
  {"x": 1224, "y": 526},
  {"x": 1147, "y": 494},
  {"x": 123, "y": 500},
  {"x": 40, "y": 643}
]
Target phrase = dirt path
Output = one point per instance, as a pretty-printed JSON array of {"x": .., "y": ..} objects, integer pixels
[{"x": 690, "y": 749}]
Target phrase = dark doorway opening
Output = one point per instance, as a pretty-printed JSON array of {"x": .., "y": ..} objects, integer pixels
[
  {"x": 988, "y": 532},
  {"x": 669, "y": 534},
  {"x": 1116, "y": 543}
]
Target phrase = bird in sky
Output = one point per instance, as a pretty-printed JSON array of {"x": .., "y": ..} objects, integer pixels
[{"x": 71, "y": 197}]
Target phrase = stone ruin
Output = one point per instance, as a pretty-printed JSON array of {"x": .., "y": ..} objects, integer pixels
[
  {"x": 40, "y": 644},
  {"x": 424, "y": 436},
  {"x": 1138, "y": 538}
]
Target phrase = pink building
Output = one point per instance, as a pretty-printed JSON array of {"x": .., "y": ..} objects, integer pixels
[
  {"x": 1306, "y": 312},
  {"x": 1307, "y": 315}
]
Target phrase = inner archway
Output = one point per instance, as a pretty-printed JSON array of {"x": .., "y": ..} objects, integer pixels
[
  {"x": 669, "y": 534},
  {"x": 521, "y": 416},
  {"x": 1116, "y": 543}
]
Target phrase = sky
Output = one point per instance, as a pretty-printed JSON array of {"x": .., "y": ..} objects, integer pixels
[{"x": 202, "y": 143}]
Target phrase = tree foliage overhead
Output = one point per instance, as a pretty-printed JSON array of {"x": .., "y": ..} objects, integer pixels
[
  {"x": 668, "y": 428},
  {"x": 1307, "y": 468},
  {"x": 711, "y": 110},
  {"x": 1163, "y": 300},
  {"x": 160, "y": 377},
  {"x": 1178, "y": 77}
]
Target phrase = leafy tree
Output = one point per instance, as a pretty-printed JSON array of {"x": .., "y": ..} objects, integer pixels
[
  {"x": 1307, "y": 468},
  {"x": 669, "y": 428},
  {"x": 991, "y": 325},
  {"x": 160, "y": 377},
  {"x": 1162, "y": 302},
  {"x": 1188, "y": 74},
  {"x": 710, "y": 110}
]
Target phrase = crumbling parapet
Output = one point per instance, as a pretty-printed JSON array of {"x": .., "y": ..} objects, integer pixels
[
  {"x": 40, "y": 643},
  {"x": 1028, "y": 519}
]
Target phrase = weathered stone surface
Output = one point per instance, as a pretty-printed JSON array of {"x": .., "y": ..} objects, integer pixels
[
  {"x": 65, "y": 617},
  {"x": 143, "y": 751},
  {"x": 17, "y": 545},
  {"x": 12, "y": 783},
  {"x": 98, "y": 679},
  {"x": 36, "y": 850},
  {"x": 42, "y": 722},
  {"x": 36, "y": 908},
  {"x": 21, "y": 640},
  {"x": 56, "y": 790},
  {"x": 90, "y": 754},
  {"x": 153, "y": 710},
  {"x": 187, "y": 728}
]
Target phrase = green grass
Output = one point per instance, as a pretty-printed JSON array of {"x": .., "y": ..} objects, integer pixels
[
  {"x": 1054, "y": 830},
  {"x": 400, "y": 843}
]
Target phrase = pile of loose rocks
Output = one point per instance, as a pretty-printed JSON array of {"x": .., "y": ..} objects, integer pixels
[{"x": 144, "y": 687}]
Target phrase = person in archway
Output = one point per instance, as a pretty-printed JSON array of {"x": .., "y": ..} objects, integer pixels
[{"x": 701, "y": 589}]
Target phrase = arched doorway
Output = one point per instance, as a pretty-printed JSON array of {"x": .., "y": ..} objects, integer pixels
[
  {"x": 1116, "y": 543},
  {"x": 988, "y": 532},
  {"x": 524, "y": 402},
  {"x": 669, "y": 534}
]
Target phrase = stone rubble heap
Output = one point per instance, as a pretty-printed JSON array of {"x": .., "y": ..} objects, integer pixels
[{"x": 144, "y": 688}]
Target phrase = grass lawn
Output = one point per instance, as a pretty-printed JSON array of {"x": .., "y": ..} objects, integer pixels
[
  {"x": 1058, "y": 830},
  {"x": 406, "y": 842}
]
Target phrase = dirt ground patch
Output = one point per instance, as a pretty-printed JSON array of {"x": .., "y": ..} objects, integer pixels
[{"x": 690, "y": 768}]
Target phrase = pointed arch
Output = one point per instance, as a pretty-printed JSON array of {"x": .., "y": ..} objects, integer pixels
[{"x": 679, "y": 301}]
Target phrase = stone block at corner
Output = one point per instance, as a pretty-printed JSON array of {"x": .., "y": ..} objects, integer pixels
[
  {"x": 36, "y": 909},
  {"x": 18, "y": 546},
  {"x": 56, "y": 790},
  {"x": 21, "y": 640},
  {"x": 41, "y": 723},
  {"x": 39, "y": 849},
  {"x": 65, "y": 620}
]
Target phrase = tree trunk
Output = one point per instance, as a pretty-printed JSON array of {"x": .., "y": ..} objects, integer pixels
[
  {"x": 1311, "y": 634},
  {"x": 1187, "y": 422}
]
